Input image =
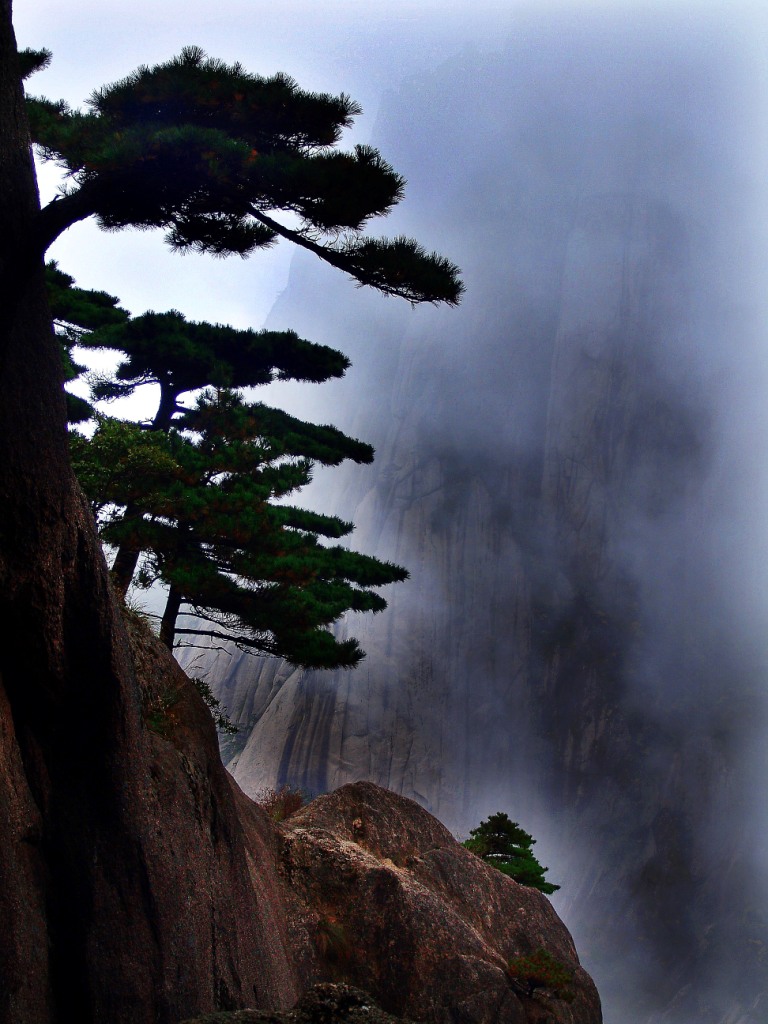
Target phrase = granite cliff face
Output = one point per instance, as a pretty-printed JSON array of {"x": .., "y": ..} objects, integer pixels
[
  {"x": 555, "y": 465},
  {"x": 175, "y": 906}
]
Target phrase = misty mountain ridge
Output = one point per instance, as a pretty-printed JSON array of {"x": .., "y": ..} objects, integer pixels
[{"x": 567, "y": 467}]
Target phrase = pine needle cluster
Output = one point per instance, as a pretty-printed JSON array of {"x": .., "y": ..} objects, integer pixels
[{"x": 216, "y": 157}]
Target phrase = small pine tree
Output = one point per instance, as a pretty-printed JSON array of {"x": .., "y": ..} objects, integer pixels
[{"x": 508, "y": 847}]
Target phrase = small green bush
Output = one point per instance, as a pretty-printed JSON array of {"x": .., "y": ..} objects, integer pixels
[
  {"x": 332, "y": 940},
  {"x": 542, "y": 970},
  {"x": 157, "y": 710},
  {"x": 218, "y": 712}
]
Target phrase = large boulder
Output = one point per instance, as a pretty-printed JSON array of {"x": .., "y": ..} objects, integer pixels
[{"x": 401, "y": 909}]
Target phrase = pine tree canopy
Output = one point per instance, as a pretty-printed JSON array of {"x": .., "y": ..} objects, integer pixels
[
  {"x": 508, "y": 847},
  {"x": 31, "y": 61},
  {"x": 202, "y": 492},
  {"x": 213, "y": 156},
  {"x": 181, "y": 356},
  {"x": 79, "y": 311},
  {"x": 201, "y": 506},
  {"x": 279, "y": 433}
]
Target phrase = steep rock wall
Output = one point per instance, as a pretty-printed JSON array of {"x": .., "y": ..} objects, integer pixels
[
  {"x": 235, "y": 911},
  {"x": 175, "y": 908}
]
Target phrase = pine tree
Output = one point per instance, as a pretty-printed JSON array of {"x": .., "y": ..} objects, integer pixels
[
  {"x": 202, "y": 507},
  {"x": 194, "y": 489},
  {"x": 182, "y": 356},
  {"x": 212, "y": 155},
  {"x": 508, "y": 847}
]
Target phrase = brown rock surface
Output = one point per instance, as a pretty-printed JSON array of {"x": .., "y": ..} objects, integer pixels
[
  {"x": 166, "y": 906},
  {"x": 326, "y": 1003},
  {"x": 219, "y": 904}
]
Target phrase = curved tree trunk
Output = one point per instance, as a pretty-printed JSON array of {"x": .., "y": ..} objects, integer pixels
[{"x": 124, "y": 565}]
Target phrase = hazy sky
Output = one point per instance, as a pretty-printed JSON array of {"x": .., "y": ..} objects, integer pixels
[
  {"x": 362, "y": 48},
  {"x": 337, "y": 46}
]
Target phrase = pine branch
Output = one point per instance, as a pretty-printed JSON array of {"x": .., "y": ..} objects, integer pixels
[
  {"x": 364, "y": 259},
  {"x": 61, "y": 213}
]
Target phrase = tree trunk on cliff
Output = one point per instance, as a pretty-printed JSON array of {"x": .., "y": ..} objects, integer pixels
[
  {"x": 171, "y": 613},
  {"x": 127, "y": 558},
  {"x": 124, "y": 565}
]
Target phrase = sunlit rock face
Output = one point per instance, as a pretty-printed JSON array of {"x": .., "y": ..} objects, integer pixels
[{"x": 566, "y": 467}]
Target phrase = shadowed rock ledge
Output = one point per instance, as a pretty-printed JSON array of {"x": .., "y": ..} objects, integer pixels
[{"x": 326, "y": 1003}]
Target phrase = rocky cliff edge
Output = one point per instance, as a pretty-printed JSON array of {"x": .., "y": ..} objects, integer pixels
[{"x": 232, "y": 911}]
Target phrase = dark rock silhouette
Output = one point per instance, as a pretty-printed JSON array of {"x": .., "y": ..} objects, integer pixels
[{"x": 326, "y": 1003}]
